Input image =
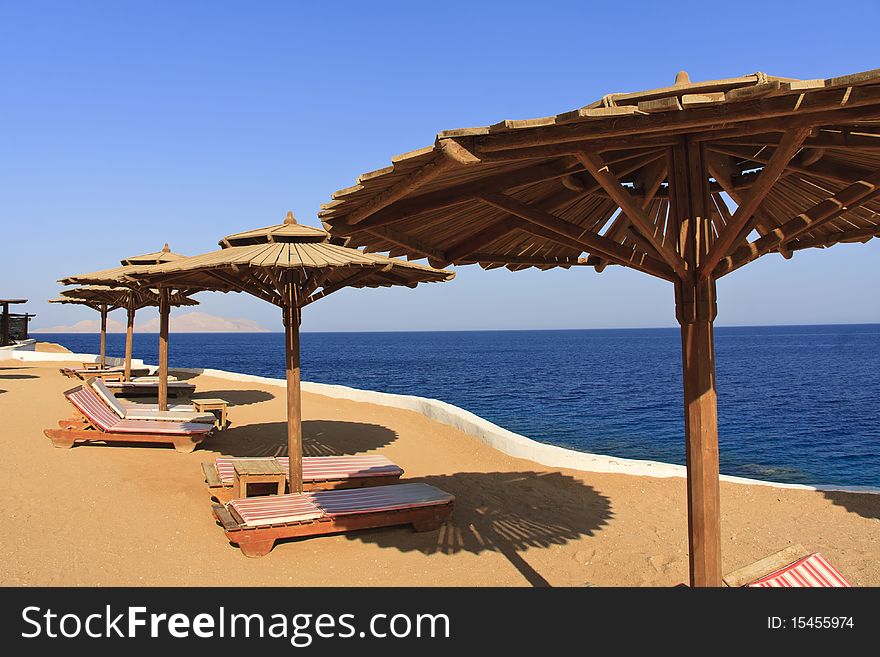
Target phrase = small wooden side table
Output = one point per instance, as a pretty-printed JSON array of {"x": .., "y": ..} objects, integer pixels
[
  {"x": 111, "y": 376},
  {"x": 257, "y": 471},
  {"x": 92, "y": 366},
  {"x": 212, "y": 405}
]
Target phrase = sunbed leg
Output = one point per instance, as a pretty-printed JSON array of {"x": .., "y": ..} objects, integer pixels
[
  {"x": 185, "y": 447},
  {"x": 256, "y": 548},
  {"x": 62, "y": 442}
]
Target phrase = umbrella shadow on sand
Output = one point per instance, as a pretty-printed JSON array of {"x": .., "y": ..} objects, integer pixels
[
  {"x": 866, "y": 505},
  {"x": 320, "y": 438},
  {"x": 237, "y": 397},
  {"x": 19, "y": 376},
  {"x": 506, "y": 512}
]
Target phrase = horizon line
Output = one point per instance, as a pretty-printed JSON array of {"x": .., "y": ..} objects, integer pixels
[{"x": 477, "y": 330}]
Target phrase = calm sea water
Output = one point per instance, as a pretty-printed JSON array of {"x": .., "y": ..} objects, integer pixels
[{"x": 798, "y": 404}]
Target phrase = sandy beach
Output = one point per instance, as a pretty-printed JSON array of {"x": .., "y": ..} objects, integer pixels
[{"x": 115, "y": 516}]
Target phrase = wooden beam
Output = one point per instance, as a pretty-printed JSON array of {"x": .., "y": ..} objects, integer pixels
[
  {"x": 411, "y": 244},
  {"x": 164, "y": 312},
  {"x": 741, "y": 219},
  {"x": 636, "y": 215},
  {"x": 448, "y": 155},
  {"x": 862, "y": 235},
  {"x": 481, "y": 238},
  {"x": 523, "y": 260},
  {"x": 807, "y": 107},
  {"x": 347, "y": 282},
  {"x": 588, "y": 240},
  {"x": 836, "y": 172},
  {"x": 695, "y": 310},
  {"x": 653, "y": 177},
  {"x": 291, "y": 317},
  {"x": 820, "y": 214},
  {"x": 405, "y": 208}
]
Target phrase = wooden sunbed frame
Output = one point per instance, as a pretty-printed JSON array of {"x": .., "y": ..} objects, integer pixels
[
  {"x": 223, "y": 493},
  {"x": 259, "y": 541},
  {"x": 81, "y": 429},
  {"x": 77, "y": 373},
  {"x": 766, "y": 566}
]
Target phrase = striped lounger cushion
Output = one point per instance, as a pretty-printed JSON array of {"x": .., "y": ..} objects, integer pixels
[
  {"x": 324, "y": 468},
  {"x": 811, "y": 571},
  {"x": 298, "y": 507},
  {"x": 94, "y": 408}
]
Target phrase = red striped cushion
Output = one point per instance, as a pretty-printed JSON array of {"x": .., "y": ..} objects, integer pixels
[
  {"x": 274, "y": 509},
  {"x": 811, "y": 571},
  {"x": 380, "y": 498},
  {"x": 277, "y": 509},
  {"x": 324, "y": 468},
  {"x": 85, "y": 400}
]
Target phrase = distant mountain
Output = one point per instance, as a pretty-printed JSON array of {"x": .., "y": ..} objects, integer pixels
[{"x": 189, "y": 322}]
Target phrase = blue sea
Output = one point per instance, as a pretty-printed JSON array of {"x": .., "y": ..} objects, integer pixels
[{"x": 797, "y": 404}]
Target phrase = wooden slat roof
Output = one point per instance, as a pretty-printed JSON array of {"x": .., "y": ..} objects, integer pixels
[
  {"x": 522, "y": 193},
  {"x": 117, "y": 297},
  {"x": 128, "y": 266},
  {"x": 257, "y": 262}
]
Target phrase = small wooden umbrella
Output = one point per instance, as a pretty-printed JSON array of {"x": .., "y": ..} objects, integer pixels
[
  {"x": 164, "y": 296},
  {"x": 290, "y": 266},
  {"x": 106, "y": 298}
]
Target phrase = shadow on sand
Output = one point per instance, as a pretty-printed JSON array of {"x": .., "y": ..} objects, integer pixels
[
  {"x": 19, "y": 376},
  {"x": 507, "y": 512},
  {"x": 236, "y": 397},
  {"x": 320, "y": 438},
  {"x": 866, "y": 505}
]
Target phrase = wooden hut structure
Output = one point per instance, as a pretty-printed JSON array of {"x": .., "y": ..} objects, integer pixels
[
  {"x": 13, "y": 326},
  {"x": 686, "y": 183},
  {"x": 164, "y": 296},
  {"x": 106, "y": 298},
  {"x": 290, "y": 266}
]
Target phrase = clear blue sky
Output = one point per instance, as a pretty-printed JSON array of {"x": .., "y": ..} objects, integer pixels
[{"x": 124, "y": 125}]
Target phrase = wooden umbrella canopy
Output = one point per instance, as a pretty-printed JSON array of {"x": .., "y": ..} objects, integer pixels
[
  {"x": 106, "y": 298},
  {"x": 290, "y": 266},
  {"x": 137, "y": 297},
  {"x": 642, "y": 180}
]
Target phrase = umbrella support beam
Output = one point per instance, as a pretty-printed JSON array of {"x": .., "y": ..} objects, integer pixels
[
  {"x": 103, "y": 335},
  {"x": 164, "y": 311},
  {"x": 294, "y": 394},
  {"x": 695, "y": 305},
  {"x": 129, "y": 336}
]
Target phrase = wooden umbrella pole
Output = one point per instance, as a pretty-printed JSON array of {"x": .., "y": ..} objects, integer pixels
[
  {"x": 164, "y": 311},
  {"x": 294, "y": 395},
  {"x": 129, "y": 335},
  {"x": 695, "y": 309},
  {"x": 701, "y": 430},
  {"x": 103, "y": 335}
]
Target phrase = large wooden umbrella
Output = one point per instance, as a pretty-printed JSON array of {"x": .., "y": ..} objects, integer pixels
[
  {"x": 643, "y": 180},
  {"x": 106, "y": 298},
  {"x": 164, "y": 297},
  {"x": 291, "y": 266}
]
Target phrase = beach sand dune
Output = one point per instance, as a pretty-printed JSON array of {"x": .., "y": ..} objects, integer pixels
[{"x": 97, "y": 515}]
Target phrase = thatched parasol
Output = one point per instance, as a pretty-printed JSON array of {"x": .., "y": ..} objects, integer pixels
[
  {"x": 642, "y": 180},
  {"x": 106, "y": 298},
  {"x": 290, "y": 266},
  {"x": 165, "y": 297}
]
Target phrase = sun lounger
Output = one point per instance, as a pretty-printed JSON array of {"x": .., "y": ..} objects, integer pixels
[
  {"x": 103, "y": 393},
  {"x": 85, "y": 373},
  {"x": 148, "y": 387},
  {"x": 99, "y": 423},
  {"x": 255, "y": 523},
  {"x": 319, "y": 473},
  {"x": 791, "y": 567}
]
